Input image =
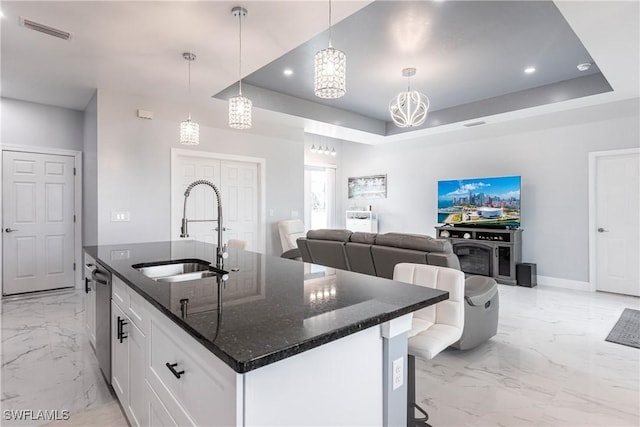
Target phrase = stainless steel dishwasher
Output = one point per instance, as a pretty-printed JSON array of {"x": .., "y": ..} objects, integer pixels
[{"x": 102, "y": 278}]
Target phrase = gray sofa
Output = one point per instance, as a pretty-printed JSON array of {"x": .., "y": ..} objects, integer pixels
[
  {"x": 378, "y": 254},
  {"x": 372, "y": 253}
]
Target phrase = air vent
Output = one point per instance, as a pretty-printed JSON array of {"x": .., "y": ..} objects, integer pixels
[
  {"x": 32, "y": 25},
  {"x": 472, "y": 124}
]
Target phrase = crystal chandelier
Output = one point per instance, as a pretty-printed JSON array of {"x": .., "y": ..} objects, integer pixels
[
  {"x": 239, "y": 106},
  {"x": 189, "y": 130},
  {"x": 330, "y": 70},
  {"x": 409, "y": 109}
]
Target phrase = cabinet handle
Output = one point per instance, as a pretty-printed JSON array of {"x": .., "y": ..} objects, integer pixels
[
  {"x": 173, "y": 371},
  {"x": 121, "y": 335},
  {"x": 86, "y": 285}
]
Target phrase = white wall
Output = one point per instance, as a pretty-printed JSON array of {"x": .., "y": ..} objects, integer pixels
[
  {"x": 37, "y": 125},
  {"x": 134, "y": 165},
  {"x": 90, "y": 174},
  {"x": 549, "y": 152}
]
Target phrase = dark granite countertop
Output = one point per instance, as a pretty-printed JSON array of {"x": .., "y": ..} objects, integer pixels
[{"x": 271, "y": 308}]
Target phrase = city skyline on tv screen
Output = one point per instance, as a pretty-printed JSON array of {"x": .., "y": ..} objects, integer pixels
[{"x": 480, "y": 201}]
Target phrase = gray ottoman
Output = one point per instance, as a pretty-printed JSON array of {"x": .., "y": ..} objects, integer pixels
[{"x": 480, "y": 312}]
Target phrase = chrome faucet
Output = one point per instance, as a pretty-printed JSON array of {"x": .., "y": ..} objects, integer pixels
[{"x": 220, "y": 250}]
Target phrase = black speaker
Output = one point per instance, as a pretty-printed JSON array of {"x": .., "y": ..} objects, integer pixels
[{"x": 526, "y": 274}]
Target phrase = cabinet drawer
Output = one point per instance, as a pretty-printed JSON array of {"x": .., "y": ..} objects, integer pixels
[
  {"x": 119, "y": 293},
  {"x": 204, "y": 393}
]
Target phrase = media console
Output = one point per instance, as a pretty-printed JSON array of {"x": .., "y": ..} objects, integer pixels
[{"x": 487, "y": 252}]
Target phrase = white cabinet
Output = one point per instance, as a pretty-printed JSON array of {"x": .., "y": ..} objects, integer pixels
[
  {"x": 119, "y": 353},
  {"x": 159, "y": 415},
  {"x": 128, "y": 353},
  {"x": 90, "y": 299},
  {"x": 196, "y": 387},
  {"x": 365, "y": 221}
]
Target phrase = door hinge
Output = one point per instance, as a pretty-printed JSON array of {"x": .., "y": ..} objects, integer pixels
[
  {"x": 74, "y": 266},
  {"x": 74, "y": 218},
  {"x": 74, "y": 171}
]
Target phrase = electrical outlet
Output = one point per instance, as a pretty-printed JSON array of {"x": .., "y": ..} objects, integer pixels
[
  {"x": 120, "y": 254},
  {"x": 398, "y": 373}
]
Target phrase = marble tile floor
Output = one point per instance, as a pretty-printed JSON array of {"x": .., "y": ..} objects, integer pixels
[
  {"x": 47, "y": 362},
  {"x": 548, "y": 366}
]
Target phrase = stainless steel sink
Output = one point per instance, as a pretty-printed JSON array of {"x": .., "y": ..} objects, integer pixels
[{"x": 178, "y": 271}]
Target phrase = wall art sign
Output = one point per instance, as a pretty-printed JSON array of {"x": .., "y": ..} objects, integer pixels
[{"x": 367, "y": 187}]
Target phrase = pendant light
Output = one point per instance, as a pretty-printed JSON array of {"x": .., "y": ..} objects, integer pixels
[
  {"x": 330, "y": 70},
  {"x": 189, "y": 130},
  {"x": 239, "y": 106},
  {"x": 409, "y": 108}
]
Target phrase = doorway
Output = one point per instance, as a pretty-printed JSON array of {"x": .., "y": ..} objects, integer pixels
[
  {"x": 319, "y": 197},
  {"x": 40, "y": 228},
  {"x": 614, "y": 221},
  {"x": 241, "y": 184}
]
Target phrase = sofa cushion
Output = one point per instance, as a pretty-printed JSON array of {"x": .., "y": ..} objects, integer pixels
[
  {"x": 385, "y": 258},
  {"x": 366, "y": 238},
  {"x": 415, "y": 242},
  {"x": 329, "y": 253},
  {"x": 335, "y": 235},
  {"x": 359, "y": 258}
]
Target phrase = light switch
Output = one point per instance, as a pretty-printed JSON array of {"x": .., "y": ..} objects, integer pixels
[{"x": 120, "y": 216}]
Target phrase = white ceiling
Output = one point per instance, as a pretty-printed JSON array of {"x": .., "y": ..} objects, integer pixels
[{"x": 136, "y": 47}]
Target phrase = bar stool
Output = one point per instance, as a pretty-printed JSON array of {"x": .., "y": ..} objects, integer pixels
[{"x": 433, "y": 328}]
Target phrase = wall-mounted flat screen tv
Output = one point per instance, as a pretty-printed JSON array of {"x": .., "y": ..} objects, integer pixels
[{"x": 480, "y": 202}]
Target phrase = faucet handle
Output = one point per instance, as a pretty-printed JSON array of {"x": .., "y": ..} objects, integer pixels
[{"x": 224, "y": 254}]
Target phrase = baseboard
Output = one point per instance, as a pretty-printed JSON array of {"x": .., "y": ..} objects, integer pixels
[{"x": 576, "y": 285}]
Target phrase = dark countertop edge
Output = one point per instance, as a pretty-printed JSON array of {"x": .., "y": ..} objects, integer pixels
[{"x": 267, "y": 359}]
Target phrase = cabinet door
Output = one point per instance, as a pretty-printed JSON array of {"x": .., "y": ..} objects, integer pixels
[
  {"x": 157, "y": 414},
  {"x": 120, "y": 354},
  {"x": 137, "y": 383}
]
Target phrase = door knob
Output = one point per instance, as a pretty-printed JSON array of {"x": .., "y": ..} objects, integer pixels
[
  {"x": 10, "y": 230},
  {"x": 602, "y": 230}
]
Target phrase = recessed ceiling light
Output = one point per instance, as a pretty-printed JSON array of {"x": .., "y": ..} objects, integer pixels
[
  {"x": 288, "y": 72},
  {"x": 584, "y": 66},
  {"x": 530, "y": 70}
]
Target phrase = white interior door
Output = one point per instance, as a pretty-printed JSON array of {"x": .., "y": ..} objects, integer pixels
[
  {"x": 239, "y": 191},
  {"x": 617, "y": 220},
  {"x": 201, "y": 204},
  {"x": 38, "y": 222},
  {"x": 238, "y": 183}
]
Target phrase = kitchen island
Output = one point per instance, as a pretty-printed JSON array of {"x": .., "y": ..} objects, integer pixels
[{"x": 270, "y": 341}]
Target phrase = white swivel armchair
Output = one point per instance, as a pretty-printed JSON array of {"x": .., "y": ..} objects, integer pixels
[
  {"x": 290, "y": 230},
  {"x": 433, "y": 328}
]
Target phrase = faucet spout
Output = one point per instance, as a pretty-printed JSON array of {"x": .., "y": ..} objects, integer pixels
[{"x": 184, "y": 230}]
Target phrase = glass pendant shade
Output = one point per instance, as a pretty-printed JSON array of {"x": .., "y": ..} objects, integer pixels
[
  {"x": 189, "y": 132},
  {"x": 409, "y": 108},
  {"x": 240, "y": 112},
  {"x": 330, "y": 73}
]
